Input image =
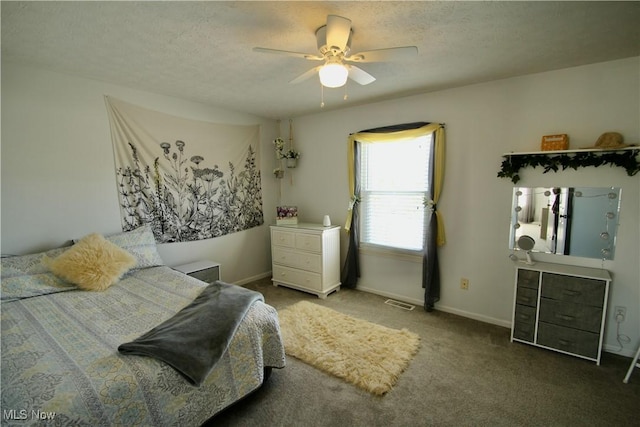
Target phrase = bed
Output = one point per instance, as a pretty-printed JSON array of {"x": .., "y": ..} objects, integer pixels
[{"x": 60, "y": 358}]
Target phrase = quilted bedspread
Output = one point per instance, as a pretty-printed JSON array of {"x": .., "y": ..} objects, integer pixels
[{"x": 60, "y": 360}]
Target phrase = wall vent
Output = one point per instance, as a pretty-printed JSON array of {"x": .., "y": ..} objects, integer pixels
[{"x": 399, "y": 304}]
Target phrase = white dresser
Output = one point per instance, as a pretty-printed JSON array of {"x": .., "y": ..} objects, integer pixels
[{"x": 306, "y": 257}]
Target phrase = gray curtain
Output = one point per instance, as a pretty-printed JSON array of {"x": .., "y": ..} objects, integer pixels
[
  {"x": 430, "y": 266},
  {"x": 351, "y": 268}
]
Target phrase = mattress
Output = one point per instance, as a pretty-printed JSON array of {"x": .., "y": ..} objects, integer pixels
[{"x": 60, "y": 360}]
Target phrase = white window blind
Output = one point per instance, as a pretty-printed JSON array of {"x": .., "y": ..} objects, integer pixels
[{"x": 394, "y": 184}]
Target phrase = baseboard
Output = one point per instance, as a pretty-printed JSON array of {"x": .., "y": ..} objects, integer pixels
[
  {"x": 613, "y": 349},
  {"x": 253, "y": 278},
  {"x": 419, "y": 303},
  {"x": 475, "y": 316},
  {"x": 402, "y": 298}
]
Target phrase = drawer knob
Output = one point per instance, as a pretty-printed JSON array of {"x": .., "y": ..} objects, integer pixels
[
  {"x": 571, "y": 293},
  {"x": 564, "y": 316}
]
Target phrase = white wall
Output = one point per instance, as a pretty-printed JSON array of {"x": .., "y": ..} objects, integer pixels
[
  {"x": 484, "y": 121},
  {"x": 58, "y": 174}
]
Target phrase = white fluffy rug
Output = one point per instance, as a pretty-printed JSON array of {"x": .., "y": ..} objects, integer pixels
[{"x": 363, "y": 353}]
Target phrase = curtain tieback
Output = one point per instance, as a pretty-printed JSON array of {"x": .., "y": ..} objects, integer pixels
[
  {"x": 353, "y": 201},
  {"x": 430, "y": 204}
]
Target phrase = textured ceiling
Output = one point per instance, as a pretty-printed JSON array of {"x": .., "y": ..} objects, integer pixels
[{"x": 202, "y": 51}]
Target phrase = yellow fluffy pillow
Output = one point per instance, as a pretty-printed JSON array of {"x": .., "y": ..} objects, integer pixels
[{"x": 92, "y": 264}]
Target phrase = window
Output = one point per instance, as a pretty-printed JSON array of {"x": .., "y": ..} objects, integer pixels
[{"x": 394, "y": 184}]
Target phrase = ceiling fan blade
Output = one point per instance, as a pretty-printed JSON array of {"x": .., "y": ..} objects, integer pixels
[
  {"x": 338, "y": 31},
  {"x": 310, "y": 56},
  {"x": 383, "y": 55},
  {"x": 306, "y": 75},
  {"x": 360, "y": 76}
]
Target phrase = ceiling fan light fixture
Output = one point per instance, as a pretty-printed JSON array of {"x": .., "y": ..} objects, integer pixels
[{"x": 333, "y": 75}]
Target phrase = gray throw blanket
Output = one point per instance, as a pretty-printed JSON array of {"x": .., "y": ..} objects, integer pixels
[{"x": 195, "y": 339}]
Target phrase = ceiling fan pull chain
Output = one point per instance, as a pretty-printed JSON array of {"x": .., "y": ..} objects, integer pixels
[{"x": 321, "y": 95}]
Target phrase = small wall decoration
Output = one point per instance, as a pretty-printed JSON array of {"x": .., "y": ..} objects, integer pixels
[
  {"x": 286, "y": 215},
  {"x": 555, "y": 142},
  {"x": 189, "y": 179},
  {"x": 290, "y": 155}
]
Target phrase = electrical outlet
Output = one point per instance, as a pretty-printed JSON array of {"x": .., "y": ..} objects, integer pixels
[
  {"x": 619, "y": 313},
  {"x": 464, "y": 283}
]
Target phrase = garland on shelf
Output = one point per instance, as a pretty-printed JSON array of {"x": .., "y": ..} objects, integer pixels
[{"x": 512, "y": 164}]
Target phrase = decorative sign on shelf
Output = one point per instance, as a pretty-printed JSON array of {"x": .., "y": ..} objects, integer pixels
[{"x": 555, "y": 142}]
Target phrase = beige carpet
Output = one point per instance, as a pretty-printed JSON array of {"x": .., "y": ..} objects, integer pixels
[{"x": 367, "y": 355}]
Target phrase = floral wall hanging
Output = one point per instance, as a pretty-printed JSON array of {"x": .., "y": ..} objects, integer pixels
[{"x": 189, "y": 179}]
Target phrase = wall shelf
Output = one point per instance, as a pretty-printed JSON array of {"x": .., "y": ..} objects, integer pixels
[{"x": 562, "y": 159}]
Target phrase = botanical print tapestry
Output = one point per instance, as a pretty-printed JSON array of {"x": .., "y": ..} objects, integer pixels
[{"x": 188, "y": 179}]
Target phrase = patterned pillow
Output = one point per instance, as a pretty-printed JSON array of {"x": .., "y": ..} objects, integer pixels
[
  {"x": 92, "y": 264},
  {"x": 23, "y": 265},
  {"x": 25, "y": 276},
  {"x": 141, "y": 244}
]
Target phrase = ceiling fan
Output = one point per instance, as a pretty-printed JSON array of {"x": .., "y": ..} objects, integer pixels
[{"x": 334, "y": 47}]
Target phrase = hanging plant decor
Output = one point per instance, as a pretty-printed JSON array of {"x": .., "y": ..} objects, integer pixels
[{"x": 512, "y": 164}]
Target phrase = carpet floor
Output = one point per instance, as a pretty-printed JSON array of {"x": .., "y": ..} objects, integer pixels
[{"x": 466, "y": 373}]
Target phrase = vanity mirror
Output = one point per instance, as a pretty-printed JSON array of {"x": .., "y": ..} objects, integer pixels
[{"x": 576, "y": 221}]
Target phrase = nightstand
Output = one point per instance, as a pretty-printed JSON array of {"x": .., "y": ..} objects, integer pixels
[{"x": 205, "y": 270}]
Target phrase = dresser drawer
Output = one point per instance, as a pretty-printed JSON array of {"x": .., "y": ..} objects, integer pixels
[
  {"x": 527, "y": 296},
  {"x": 309, "y": 242},
  {"x": 568, "y": 339},
  {"x": 292, "y": 276},
  {"x": 573, "y": 289},
  {"x": 525, "y": 314},
  {"x": 579, "y": 316},
  {"x": 528, "y": 279},
  {"x": 524, "y": 322},
  {"x": 283, "y": 238},
  {"x": 305, "y": 261}
]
